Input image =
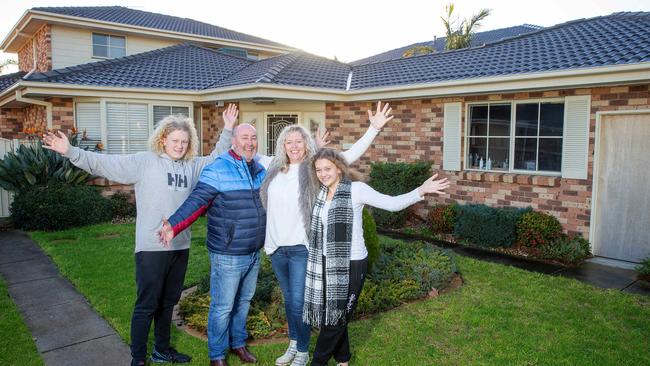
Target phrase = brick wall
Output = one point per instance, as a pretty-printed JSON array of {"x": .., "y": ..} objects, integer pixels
[
  {"x": 43, "y": 42},
  {"x": 415, "y": 134},
  {"x": 211, "y": 125},
  {"x": 11, "y": 123}
]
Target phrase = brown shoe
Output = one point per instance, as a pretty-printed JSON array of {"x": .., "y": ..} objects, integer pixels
[
  {"x": 218, "y": 363},
  {"x": 244, "y": 355}
]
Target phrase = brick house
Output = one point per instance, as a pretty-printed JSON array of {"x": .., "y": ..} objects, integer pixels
[{"x": 554, "y": 118}]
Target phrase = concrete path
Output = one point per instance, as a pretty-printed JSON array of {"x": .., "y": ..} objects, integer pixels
[{"x": 66, "y": 329}]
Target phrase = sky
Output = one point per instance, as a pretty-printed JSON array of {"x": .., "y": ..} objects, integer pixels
[{"x": 347, "y": 29}]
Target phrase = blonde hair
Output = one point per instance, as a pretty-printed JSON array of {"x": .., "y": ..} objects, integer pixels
[
  {"x": 280, "y": 160},
  {"x": 170, "y": 124}
]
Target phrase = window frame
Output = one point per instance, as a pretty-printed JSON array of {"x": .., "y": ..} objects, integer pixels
[
  {"x": 150, "y": 104},
  {"x": 108, "y": 46},
  {"x": 513, "y": 119}
]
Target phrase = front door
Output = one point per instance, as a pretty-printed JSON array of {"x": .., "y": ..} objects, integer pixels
[{"x": 622, "y": 217}]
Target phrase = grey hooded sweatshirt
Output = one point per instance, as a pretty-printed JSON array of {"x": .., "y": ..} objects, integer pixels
[{"x": 161, "y": 185}]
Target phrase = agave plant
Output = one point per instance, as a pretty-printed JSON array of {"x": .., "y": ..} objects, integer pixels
[{"x": 33, "y": 165}]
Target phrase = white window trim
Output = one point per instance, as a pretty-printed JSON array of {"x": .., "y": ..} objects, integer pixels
[
  {"x": 513, "y": 104},
  {"x": 92, "y": 44}
]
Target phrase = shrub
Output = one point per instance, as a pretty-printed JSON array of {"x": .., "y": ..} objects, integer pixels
[
  {"x": 59, "y": 206},
  {"x": 443, "y": 218},
  {"x": 121, "y": 206},
  {"x": 643, "y": 269},
  {"x": 403, "y": 272},
  {"x": 32, "y": 165},
  {"x": 394, "y": 179},
  {"x": 370, "y": 238},
  {"x": 566, "y": 250},
  {"x": 537, "y": 229},
  {"x": 486, "y": 226}
]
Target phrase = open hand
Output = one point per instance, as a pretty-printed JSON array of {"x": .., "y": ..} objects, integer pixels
[
  {"x": 230, "y": 116},
  {"x": 322, "y": 139},
  {"x": 57, "y": 142},
  {"x": 381, "y": 117},
  {"x": 431, "y": 186},
  {"x": 166, "y": 234}
]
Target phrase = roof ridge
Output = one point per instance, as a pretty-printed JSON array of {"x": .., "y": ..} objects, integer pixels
[
  {"x": 13, "y": 75},
  {"x": 115, "y": 61},
  {"x": 151, "y": 13},
  {"x": 276, "y": 69}
]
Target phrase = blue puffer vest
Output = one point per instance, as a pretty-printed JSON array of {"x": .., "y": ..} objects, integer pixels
[{"x": 236, "y": 218}]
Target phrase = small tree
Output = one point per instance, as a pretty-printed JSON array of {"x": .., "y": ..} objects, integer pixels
[{"x": 459, "y": 33}]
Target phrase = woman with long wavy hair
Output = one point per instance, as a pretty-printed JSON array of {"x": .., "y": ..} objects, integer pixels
[
  {"x": 338, "y": 258},
  {"x": 288, "y": 194}
]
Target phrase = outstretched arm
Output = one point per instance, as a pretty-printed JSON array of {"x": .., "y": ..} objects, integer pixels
[
  {"x": 125, "y": 169},
  {"x": 364, "y": 194},
  {"x": 377, "y": 121}
]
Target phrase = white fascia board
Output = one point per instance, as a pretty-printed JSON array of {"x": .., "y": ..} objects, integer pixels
[
  {"x": 273, "y": 91},
  {"x": 536, "y": 81},
  {"x": 70, "y": 90},
  {"x": 15, "y": 30},
  {"x": 119, "y": 27}
]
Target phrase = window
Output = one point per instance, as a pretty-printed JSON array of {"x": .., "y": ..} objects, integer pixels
[
  {"x": 489, "y": 136},
  {"x": 534, "y": 139},
  {"x": 538, "y": 136},
  {"x": 127, "y": 125},
  {"x": 232, "y": 51},
  {"x": 162, "y": 111},
  {"x": 108, "y": 46}
]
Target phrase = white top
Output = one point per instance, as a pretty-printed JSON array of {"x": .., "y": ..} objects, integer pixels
[
  {"x": 362, "y": 194},
  {"x": 284, "y": 223}
]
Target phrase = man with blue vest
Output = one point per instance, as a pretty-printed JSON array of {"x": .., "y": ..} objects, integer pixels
[{"x": 229, "y": 189}]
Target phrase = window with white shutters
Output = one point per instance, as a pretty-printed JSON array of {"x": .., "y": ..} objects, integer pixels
[
  {"x": 89, "y": 125},
  {"x": 128, "y": 127}
]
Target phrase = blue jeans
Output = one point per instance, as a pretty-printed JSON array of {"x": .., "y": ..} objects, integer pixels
[
  {"x": 233, "y": 279},
  {"x": 290, "y": 267}
]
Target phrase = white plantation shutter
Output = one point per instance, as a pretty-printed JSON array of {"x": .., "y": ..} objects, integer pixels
[
  {"x": 575, "y": 145},
  {"x": 451, "y": 137},
  {"x": 88, "y": 119},
  {"x": 128, "y": 127},
  {"x": 162, "y": 111}
]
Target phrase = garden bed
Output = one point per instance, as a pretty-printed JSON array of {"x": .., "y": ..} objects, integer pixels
[{"x": 403, "y": 272}]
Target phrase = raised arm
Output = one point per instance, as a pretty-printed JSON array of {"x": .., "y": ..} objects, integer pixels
[
  {"x": 377, "y": 121},
  {"x": 229, "y": 117},
  {"x": 125, "y": 169}
]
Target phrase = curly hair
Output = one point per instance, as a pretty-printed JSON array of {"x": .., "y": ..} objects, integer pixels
[{"x": 170, "y": 124}]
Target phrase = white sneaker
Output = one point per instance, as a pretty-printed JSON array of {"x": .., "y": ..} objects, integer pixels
[
  {"x": 288, "y": 355},
  {"x": 301, "y": 359}
]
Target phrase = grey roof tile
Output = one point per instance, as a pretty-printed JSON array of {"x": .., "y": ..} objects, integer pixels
[
  {"x": 123, "y": 15},
  {"x": 185, "y": 66},
  {"x": 479, "y": 39},
  {"x": 9, "y": 79},
  {"x": 620, "y": 38}
]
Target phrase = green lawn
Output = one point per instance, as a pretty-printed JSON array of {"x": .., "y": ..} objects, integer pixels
[
  {"x": 16, "y": 343},
  {"x": 501, "y": 316}
]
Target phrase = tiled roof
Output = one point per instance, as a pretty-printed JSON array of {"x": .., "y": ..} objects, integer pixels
[
  {"x": 620, "y": 38},
  {"x": 10, "y": 79},
  {"x": 122, "y": 15},
  {"x": 184, "y": 66},
  {"x": 479, "y": 39}
]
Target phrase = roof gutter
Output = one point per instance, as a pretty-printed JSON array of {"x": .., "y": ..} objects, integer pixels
[{"x": 48, "y": 105}]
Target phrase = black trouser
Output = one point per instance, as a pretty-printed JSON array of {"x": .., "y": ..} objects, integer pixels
[
  {"x": 333, "y": 340},
  {"x": 159, "y": 277}
]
